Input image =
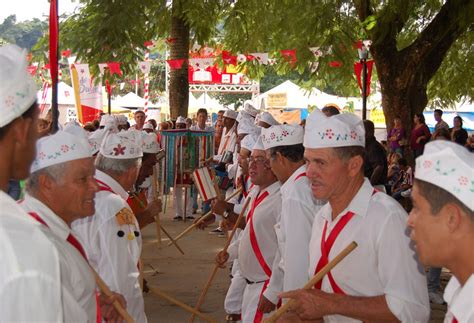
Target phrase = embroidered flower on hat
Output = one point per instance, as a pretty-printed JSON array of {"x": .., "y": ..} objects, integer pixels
[
  {"x": 119, "y": 150},
  {"x": 427, "y": 164},
  {"x": 444, "y": 172},
  {"x": 285, "y": 133},
  {"x": 9, "y": 101},
  {"x": 64, "y": 148},
  {"x": 41, "y": 155},
  {"x": 463, "y": 180}
]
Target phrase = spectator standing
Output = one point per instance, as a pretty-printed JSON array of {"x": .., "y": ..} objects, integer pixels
[
  {"x": 375, "y": 163},
  {"x": 396, "y": 137},
  {"x": 458, "y": 133},
  {"x": 440, "y": 123},
  {"x": 420, "y": 134},
  {"x": 405, "y": 180}
]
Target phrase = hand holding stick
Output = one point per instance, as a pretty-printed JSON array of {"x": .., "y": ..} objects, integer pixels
[
  {"x": 201, "y": 219},
  {"x": 316, "y": 278}
]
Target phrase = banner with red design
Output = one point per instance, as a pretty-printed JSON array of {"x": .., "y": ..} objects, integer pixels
[
  {"x": 358, "y": 71},
  {"x": 90, "y": 94}
]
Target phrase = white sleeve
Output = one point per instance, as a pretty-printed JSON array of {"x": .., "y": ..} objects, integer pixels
[
  {"x": 403, "y": 277},
  {"x": 275, "y": 286}
]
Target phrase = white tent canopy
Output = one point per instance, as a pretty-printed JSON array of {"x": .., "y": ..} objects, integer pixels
[
  {"x": 65, "y": 95},
  {"x": 131, "y": 100}
]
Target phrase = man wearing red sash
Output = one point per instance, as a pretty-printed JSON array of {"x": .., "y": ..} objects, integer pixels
[
  {"x": 112, "y": 237},
  {"x": 61, "y": 189},
  {"x": 284, "y": 148},
  {"x": 30, "y": 275},
  {"x": 442, "y": 221},
  {"x": 258, "y": 242},
  {"x": 381, "y": 279}
]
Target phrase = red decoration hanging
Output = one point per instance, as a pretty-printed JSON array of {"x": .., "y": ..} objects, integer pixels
[
  {"x": 228, "y": 58},
  {"x": 53, "y": 40},
  {"x": 358, "y": 71},
  {"x": 66, "y": 53},
  {"x": 171, "y": 40},
  {"x": 32, "y": 69},
  {"x": 107, "y": 86},
  {"x": 289, "y": 55},
  {"x": 335, "y": 63},
  {"x": 148, "y": 43},
  {"x": 114, "y": 68},
  {"x": 175, "y": 64}
]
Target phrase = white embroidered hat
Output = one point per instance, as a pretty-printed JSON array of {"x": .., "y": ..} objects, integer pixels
[
  {"x": 282, "y": 135},
  {"x": 59, "y": 148},
  {"x": 147, "y": 126},
  {"x": 121, "y": 119},
  {"x": 268, "y": 119},
  {"x": 248, "y": 142},
  {"x": 341, "y": 130},
  {"x": 181, "y": 120},
  {"x": 122, "y": 145},
  {"x": 246, "y": 126},
  {"x": 17, "y": 87},
  {"x": 258, "y": 144},
  {"x": 231, "y": 114},
  {"x": 250, "y": 109},
  {"x": 150, "y": 143},
  {"x": 449, "y": 166},
  {"x": 95, "y": 140},
  {"x": 76, "y": 130}
]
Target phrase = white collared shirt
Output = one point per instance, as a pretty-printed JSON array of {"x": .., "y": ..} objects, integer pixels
[
  {"x": 460, "y": 300},
  {"x": 112, "y": 254},
  {"x": 195, "y": 127},
  {"x": 383, "y": 262},
  {"x": 29, "y": 267},
  {"x": 298, "y": 208},
  {"x": 77, "y": 280},
  {"x": 264, "y": 218},
  {"x": 228, "y": 142}
]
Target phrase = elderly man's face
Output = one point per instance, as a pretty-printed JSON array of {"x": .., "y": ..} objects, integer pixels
[
  {"x": 327, "y": 173},
  {"x": 259, "y": 168},
  {"x": 75, "y": 191}
]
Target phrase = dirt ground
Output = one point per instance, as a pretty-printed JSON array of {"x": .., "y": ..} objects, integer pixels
[{"x": 184, "y": 276}]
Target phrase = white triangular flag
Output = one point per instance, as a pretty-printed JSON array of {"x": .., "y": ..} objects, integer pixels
[
  {"x": 316, "y": 51},
  {"x": 262, "y": 58},
  {"x": 145, "y": 67},
  {"x": 102, "y": 67}
]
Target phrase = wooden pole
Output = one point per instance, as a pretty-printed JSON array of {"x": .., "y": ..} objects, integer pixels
[
  {"x": 172, "y": 240},
  {"x": 154, "y": 188},
  {"x": 216, "y": 266},
  {"x": 316, "y": 278},
  {"x": 105, "y": 289},
  {"x": 188, "y": 308},
  {"x": 201, "y": 219}
]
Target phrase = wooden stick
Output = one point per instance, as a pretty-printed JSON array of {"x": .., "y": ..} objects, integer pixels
[
  {"x": 216, "y": 266},
  {"x": 154, "y": 188},
  {"x": 188, "y": 308},
  {"x": 201, "y": 219},
  {"x": 316, "y": 278},
  {"x": 105, "y": 289},
  {"x": 172, "y": 240}
]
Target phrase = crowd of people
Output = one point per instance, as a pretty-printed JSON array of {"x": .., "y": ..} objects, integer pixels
[{"x": 305, "y": 193}]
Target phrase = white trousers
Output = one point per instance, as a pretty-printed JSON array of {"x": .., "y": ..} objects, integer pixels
[
  {"x": 179, "y": 201},
  {"x": 235, "y": 294},
  {"x": 250, "y": 302}
]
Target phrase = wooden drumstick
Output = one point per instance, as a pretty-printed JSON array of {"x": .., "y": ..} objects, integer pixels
[{"x": 316, "y": 278}]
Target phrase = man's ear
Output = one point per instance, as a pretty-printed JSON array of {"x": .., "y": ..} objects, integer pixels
[
  {"x": 21, "y": 129},
  {"x": 355, "y": 165},
  {"x": 452, "y": 216}
]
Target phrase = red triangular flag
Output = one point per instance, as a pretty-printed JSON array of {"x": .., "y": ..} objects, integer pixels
[
  {"x": 358, "y": 71},
  {"x": 148, "y": 43},
  {"x": 32, "y": 69},
  {"x": 175, "y": 64},
  {"x": 66, "y": 53},
  {"x": 114, "y": 68},
  {"x": 335, "y": 63},
  {"x": 228, "y": 58},
  {"x": 170, "y": 40},
  {"x": 289, "y": 55}
]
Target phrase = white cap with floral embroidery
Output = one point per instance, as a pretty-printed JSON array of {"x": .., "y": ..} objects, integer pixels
[
  {"x": 250, "y": 109},
  {"x": 248, "y": 142},
  {"x": 17, "y": 87},
  {"x": 258, "y": 144},
  {"x": 246, "y": 126},
  {"x": 231, "y": 114},
  {"x": 122, "y": 145},
  {"x": 268, "y": 119},
  {"x": 150, "y": 143},
  {"x": 59, "y": 148},
  {"x": 282, "y": 135},
  {"x": 449, "y": 166},
  {"x": 95, "y": 140},
  {"x": 341, "y": 130}
]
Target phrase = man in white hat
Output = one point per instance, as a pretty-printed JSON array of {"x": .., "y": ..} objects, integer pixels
[
  {"x": 442, "y": 221},
  {"x": 258, "y": 242},
  {"x": 181, "y": 122},
  {"x": 381, "y": 279},
  {"x": 228, "y": 140},
  {"x": 112, "y": 237},
  {"x": 30, "y": 271},
  {"x": 122, "y": 122},
  {"x": 61, "y": 189},
  {"x": 284, "y": 148},
  {"x": 266, "y": 120}
]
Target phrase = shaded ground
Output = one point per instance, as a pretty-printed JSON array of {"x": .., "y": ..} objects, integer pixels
[{"x": 183, "y": 277}]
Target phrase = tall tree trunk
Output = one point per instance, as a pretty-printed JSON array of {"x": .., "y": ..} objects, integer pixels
[{"x": 179, "y": 83}]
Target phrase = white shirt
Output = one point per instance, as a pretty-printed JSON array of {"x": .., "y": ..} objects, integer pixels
[
  {"x": 206, "y": 129},
  {"x": 29, "y": 266},
  {"x": 228, "y": 142},
  {"x": 264, "y": 218},
  {"x": 383, "y": 262},
  {"x": 195, "y": 127},
  {"x": 460, "y": 300},
  {"x": 114, "y": 249},
  {"x": 298, "y": 208},
  {"x": 77, "y": 279}
]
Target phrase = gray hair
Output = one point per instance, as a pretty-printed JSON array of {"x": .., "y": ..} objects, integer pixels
[
  {"x": 116, "y": 166},
  {"x": 55, "y": 172}
]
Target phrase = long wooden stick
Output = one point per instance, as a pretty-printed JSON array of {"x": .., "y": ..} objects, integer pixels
[
  {"x": 201, "y": 219},
  {"x": 105, "y": 289},
  {"x": 154, "y": 188},
  {"x": 188, "y": 308},
  {"x": 316, "y": 278},
  {"x": 216, "y": 266},
  {"x": 172, "y": 240}
]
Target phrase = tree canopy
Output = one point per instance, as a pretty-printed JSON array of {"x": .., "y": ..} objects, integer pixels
[{"x": 24, "y": 34}]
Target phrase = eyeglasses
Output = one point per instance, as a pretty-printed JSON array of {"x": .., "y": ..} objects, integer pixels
[{"x": 257, "y": 160}]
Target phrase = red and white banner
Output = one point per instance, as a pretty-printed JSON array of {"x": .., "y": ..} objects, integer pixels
[
  {"x": 204, "y": 184},
  {"x": 90, "y": 94},
  {"x": 145, "y": 67}
]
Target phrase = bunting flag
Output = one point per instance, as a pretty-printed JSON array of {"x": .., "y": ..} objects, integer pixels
[
  {"x": 89, "y": 93},
  {"x": 317, "y": 52},
  {"x": 262, "y": 58},
  {"x": 335, "y": 63},
  {"x": 228, "y": 58},
  {"x": 170, "y": 40},
  {"x": 148, "y": 43},
  {"x": 32, "y": 69},
  {"x": 358, "y": 66},
  {"x": 102, "y": 67},
  {"x": 145, "y": 66},
  {"x": 44, "y": 96},
  {"x": 66, "y": 53},
  {"x": 201, "y": 63},
  {"x": 175, "y": 64},
  {"x": 114, "y": 68},
  {"x": 241, "y": 58}
]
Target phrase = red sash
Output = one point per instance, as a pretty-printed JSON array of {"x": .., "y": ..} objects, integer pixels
[
  {"x": 326, "y": 246},
  {"x": 299, "y": 176},
  {"x": 76, "y": 244},
  {"x": 454, "y": 320},
  {"x": 253, "y": 236},
  {"x": 104, "y": 187}
]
